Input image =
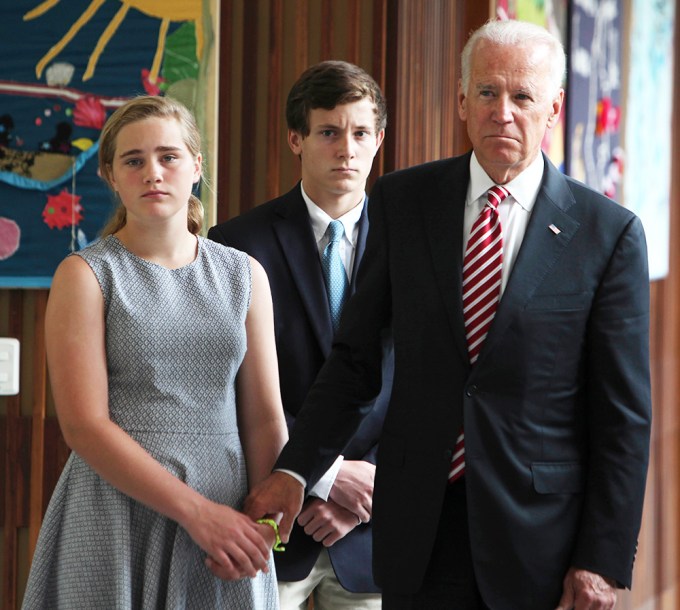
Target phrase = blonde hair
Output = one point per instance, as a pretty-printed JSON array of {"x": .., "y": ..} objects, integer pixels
[{"x": 138, "y": 109}]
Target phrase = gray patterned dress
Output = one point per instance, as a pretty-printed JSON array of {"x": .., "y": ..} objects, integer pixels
[{"x": 174, "y": 342}]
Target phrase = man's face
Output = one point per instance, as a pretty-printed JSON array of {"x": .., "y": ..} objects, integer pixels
[
  {"x": 508, "y": 105},
  {"x": 338, "y": 153}
]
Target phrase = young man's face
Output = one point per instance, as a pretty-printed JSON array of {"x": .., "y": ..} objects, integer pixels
[{"x": 338, "y": 153}]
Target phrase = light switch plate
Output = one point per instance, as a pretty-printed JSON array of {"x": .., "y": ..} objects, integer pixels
[{"x": 9, "y": 366}]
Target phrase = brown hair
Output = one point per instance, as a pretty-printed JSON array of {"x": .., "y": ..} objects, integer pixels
[
  {"x": 327, "y": 85},
  {"x": 138, "y": 109}
]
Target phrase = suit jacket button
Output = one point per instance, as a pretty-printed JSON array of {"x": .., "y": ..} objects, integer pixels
[{"x": 470, "y": 390}]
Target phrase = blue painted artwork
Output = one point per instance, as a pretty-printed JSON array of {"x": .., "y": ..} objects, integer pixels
[
  {"x": 649, "y": 107},
  {"x": 594, "y": 154},
  {"x": 66, "y": 66}
]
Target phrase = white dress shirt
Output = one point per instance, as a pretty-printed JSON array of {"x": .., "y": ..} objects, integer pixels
[
  {"x": 320, "y": 221},
  {"x": 515, "y": 210},
  {"x": 350, "y": 220}
]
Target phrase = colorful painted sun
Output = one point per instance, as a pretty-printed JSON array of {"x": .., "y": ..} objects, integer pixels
[{"x": 165, "y": 10}]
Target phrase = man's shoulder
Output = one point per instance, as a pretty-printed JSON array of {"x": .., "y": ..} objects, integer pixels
[
  {"x": 595, "y": 202},
  {"x": 257, "y": 219},
  {"x": 434, "y": 171},
  {"x": 434, "y": 178}
]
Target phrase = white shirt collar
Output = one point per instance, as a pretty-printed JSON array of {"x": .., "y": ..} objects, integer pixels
[
  {"x": 523, "y": 188},
  {"x": 320, "y": 219}
]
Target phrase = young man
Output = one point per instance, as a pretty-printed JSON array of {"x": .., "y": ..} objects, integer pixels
[
  {"x": 336, "y": 123},
  {"x": 519, "y": 303}
]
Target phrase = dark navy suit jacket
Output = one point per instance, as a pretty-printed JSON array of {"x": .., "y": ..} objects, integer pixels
[
  {"x": 278, "y": 234},
  {"x": 557, "y": 408}
]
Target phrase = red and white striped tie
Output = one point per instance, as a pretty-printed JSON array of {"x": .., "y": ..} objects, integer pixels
[{"x": 482, "y": 276}]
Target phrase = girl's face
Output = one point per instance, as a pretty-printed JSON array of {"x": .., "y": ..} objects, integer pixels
[{"x": 153, "y": 171}]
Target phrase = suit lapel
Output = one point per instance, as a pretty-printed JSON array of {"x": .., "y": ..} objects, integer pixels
[
  {"x": 294, "y": 232},
  {"x": 360, "y": 245},
  {"x": 443, "y": 210},
  {"x": 540, "y": 250}
]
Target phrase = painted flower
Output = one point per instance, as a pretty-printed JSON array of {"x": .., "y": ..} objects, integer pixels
[
  {"x": 151, "y": 87},
  {"x": 62, "y": 210},
  {"x": 89, "y": 112},
  {"x": 608, "y": 117}
]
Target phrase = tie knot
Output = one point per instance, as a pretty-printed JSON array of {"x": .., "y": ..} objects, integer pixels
[
  {"x": 496, "y": 194},
  {"x": 335, "y": 230}
]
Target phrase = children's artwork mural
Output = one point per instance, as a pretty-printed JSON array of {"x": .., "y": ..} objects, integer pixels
[
  {"x": 649, "y": 108},
  {"x": 593, "y": 148},
  {"x": 553, "y": 17},
  {"x": 66, "y": 67},
  {"x": 594, "y": 154}
]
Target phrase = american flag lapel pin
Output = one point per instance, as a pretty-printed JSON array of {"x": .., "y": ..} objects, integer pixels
[{"x": 554, "y": 229}]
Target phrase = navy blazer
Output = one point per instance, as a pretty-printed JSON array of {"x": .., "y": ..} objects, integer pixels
[
  {"x": 557, "y": 408},
  {"x": 278, "y": 234}
]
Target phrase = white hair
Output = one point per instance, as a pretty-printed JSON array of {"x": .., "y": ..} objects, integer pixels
[{"x": 515, "y": 33}]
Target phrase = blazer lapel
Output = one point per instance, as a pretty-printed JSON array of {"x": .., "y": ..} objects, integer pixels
[
  {"x": 540, "y": 250},
  {"x": 295, "y": 235},
  {"x": 443, "y": 211},
  {"x": 360, "y": 246}
]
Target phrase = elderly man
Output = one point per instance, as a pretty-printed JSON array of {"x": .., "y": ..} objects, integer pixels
[{"x": 513, "y": 458}]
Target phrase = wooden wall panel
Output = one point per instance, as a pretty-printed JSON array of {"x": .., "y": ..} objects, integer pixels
[
  {"x": 424, "y": 44},
  {"x": 32, "y": 451},
  {"x": 13, "y": 505},
  {"x": 264, "y": 47},
  {"x": 421, "y": 40},
  {"x": 37, "y": 473},
  {"x": 274, "y": 99}
]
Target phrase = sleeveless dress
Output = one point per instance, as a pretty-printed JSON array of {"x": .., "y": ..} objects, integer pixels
[{"x": 174, "y": 342}]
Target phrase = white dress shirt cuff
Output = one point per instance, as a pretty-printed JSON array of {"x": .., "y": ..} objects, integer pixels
[
  {"x": 295, "y": 475},
  {"x": 323, "y": 487}
]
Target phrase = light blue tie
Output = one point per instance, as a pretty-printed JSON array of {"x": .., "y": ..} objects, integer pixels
[{"x": 334, "y": 273}]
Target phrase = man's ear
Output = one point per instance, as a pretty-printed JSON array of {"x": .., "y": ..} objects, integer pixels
[
  {"x": 295, "y": 141},
  {"x": 556, "y": 108},
  {"x": 379, "y": 139},
  {"x": 462, "y": 99}
]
